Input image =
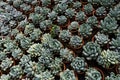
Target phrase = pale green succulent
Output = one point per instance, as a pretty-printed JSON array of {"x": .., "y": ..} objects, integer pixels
[
  {"x": 61, "y": 20},
  {"x": 46, "y": 2},
  {"x": 52, "y": 15},
  {"x": 5, "y": 77},
  {"x": 80, "y": 16},
  {"x": 92, "y": 21},
  {"x": 100, "y": 11},
  {"x": 17, "y": 53},
  {"x": 113, "y": 76},
  {"x": 70, "y": 13},
  {"x": 88, "y": 9},
  {"x": 73, "y": 26},
  {"x": 29, "y": 29}
]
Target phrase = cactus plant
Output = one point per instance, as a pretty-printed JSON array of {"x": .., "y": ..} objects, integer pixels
[
  {"x": 93, "y": 74},
  {"x": 92, "y": 21},
  {"x": 79, "y": 64},
  {"x": 76, "y": 42},
  {"x": 65, "y": 35},
  {"x": 85, "y": 30},
  {"x": 91, "y": 50},
  {"x": 67, "y": 75}
]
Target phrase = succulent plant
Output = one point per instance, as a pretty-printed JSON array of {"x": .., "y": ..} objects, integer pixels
[
  {"x": 92, "y": 21},
  {"x": 108, "y": 58},
  {"x": 37, "y": 9},
  {"x": 35, "y": 50},
  {"x": 73, "y": 26},
  {"x": 44, "y": 11},
  {"x": 29, "y": 68},
  {"x": 101, "y": 38},
  {"x": 113, "y": 76},
  {"x": 70, "y": 13},
  {"x": 85, "y": 30},
  {"x": 6, "y": 63},
  {"x": 91, "y": 50},
  {"x": 28, "y": 1},
  {"x": 101, "y": 11},
  {"x": 14, "y": 32},
  {"x": 67, "y": 75},
  {"x": 107, "y": 3},
  {"x": 77, "y": 5},
  {"x": 79, "y": 64},
  {"x": 93, "y": 74},
  {"x": 35, "y": 35},
  {"x": 80, "y": 16},
  {"x": 25, "y": 7},
  {"x": 55, "y": 30},
  {"x": 17, "y": 3},
  {"x": 45, "y": 25},
  {"x": 52, "y": 15},
  {"x": 88, "y": 8},
  {"x": 56, "y": 66},
  {"x": 3, "y": 55},
  {"x": 46, "y": 2},
  {"x": 46, "y": 75},
  {"x": 16, "y": 72},
  {"x": 115, "y": 44},
  {"x": 65, "y": 35},
  {"x": 94, "y": 1},
  {"x": 5, "y": 77},
  {"x": 67, "y": 54},
  {"x": 75, "y": 41},
  {"x": 108, "y": 25},
  {"x": 29, "y": 29},
  {"x": 61, "y": 20}
]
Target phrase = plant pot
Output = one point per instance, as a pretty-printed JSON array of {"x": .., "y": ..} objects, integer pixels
[
  {"x": 102, "y": 74},
  {"x": 117, "y": 69},
  {"x": 66, "y": 25}
]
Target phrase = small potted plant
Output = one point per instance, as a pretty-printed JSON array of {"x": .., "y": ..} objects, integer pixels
[
  {"x": 94, "y": 74},
  {"x": 91, "y": 50},
  {"x": 95, "y": 3},
  {"x": 76, "y": 42},
  {"x": 46, "y": 3},
  {"x": 77, "y": 5},
  {"x": 52, "y": 16},
  {"x": 79, "y": 65},
  {"x": 113, "y": 76},
  {"x": 5, "y": 77},
  {"x": 70, "y": 13},
  {"x": 68, "y": 75}
]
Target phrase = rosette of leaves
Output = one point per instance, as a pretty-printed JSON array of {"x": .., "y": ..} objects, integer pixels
[
  {"x": 36, "y": 34},
  {"x": 65, "y": 35},
  {"x": 46, "y": 2},
  {"x": 75, "y": 41},
  {"x": 29, "y": 68},
  {"x": 14, "y": 32},
  {"x": 5, "y": 77},
  {"x": 24, "y": 59},
  {"x": 60, "y": 8},
  {"x": 6, "y": 64},
  {"x": 85, "y": 30},
  {"x": 88, "y": 9},
  {"x": 26, "y": 8},
  {"x": 115, "y": 44},
  {"x": 45, "y": 25},
  {"x": 113, "y": 76},
  {"x": 67, "y": 75},
  {"x": 55, "y": 30},
  {"x": 108, "y": 25},
  {"x": 16, "y": 72},
  {"x": 37, "y": 9},
  {"x": 36, "y": 18},
  {"x": 28, "y": 1},
  {"x": 108, "y": 58},
  {"x": 61, "y": 20},
  {"x": 91, "y": 50},
  {"x": 66, "y": 54},
  {"x": 92, "y": 21},
  {"x": 17, "y": 3},
  {"x": 79, "y": 64},
  {"x": 29, "y": 29},
  {"x": 45, "y": 75},
  {"x": 73, "y": 26},
  {"x": 80, "y": 16},
  {"x": 115, "y": 12},
  {"x": 101, "y": 38},
  {"x": 3, "y": 55},
  {"x": 19, "y": 37},
  {"x": 70, "y": 12},
  {"x": 100, "y": 12},
  {"x": 44, "y": 11},
  {"x": 94, "y": 2},
  {"x": 77, "y": 5},
  {"x": 107, "y": 3},
  {"x": 52, "y": 15},
  {"x": 35, "y": 50},
  {"x": 93, "y": 74},
  {"x": 56, "y": 66}
]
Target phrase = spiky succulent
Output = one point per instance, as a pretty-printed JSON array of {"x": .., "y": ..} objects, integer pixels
[
  {"x": 65, "y": 35},
  {"x": 108, "y": 25},
  {"x": 67, "y": 75},
  {"x": 92, "y": 21},
  {"x": 108, "y": 58},
  {"x": 85, "y": 30},
  {"x": 93, "y": 74},
  {"x": 75, "y": 41},
  {"x": 73, "y": 26},
  {"x": 91, "y": 50},
  {"x": 101, "y": 39},
  {"x": 79, "y": 64},
  {"x": 80, "y": 16},
  {"x": 67, "y": 54},
  {"x": 6, "y": 63}
]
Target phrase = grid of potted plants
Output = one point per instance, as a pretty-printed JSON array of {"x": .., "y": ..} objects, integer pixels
[{"x": 59, "y": 40}]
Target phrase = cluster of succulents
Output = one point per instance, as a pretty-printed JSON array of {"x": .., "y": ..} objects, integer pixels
[{"x": 59, "y": 40}]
